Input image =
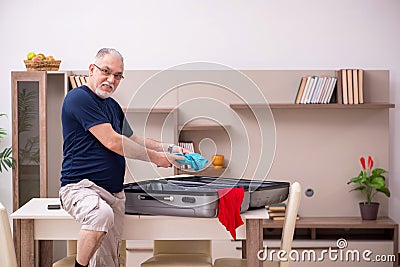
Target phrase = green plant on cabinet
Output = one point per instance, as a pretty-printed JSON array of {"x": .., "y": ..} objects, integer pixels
[
  {"x": 370, "y": 181},
  {"x": 27, "y": 114},
  {"x": 6, "y": 159}
]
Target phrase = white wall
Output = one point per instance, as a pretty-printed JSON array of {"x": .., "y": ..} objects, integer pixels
[{"x": 308, "y": 34}]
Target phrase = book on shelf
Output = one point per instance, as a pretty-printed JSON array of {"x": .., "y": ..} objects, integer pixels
[
  {"x": 312, "y": 89},
  {"x": 276, "y": 214},
  {"x": 316, "y": 90},
  {"x": 339, "y": 90},
  {"x": 322, "y": 94},
  {"x": 351, "y": 82},
  {"x": 83, "y": 79},
  {"x": 283, "y": 218},
  {"x": 344, "y": 87},
  {"x": 78, "y": 80},
  {"x": 350, "y": 86},
  {"x": 187, "y": 145},
  {"x": 301, "y": 90},
  {"x": 361, "y": 86},
  {"x": 330, "y": 89},
  {"x": 355, "y": 86},
  {"x": 72, "y": 81},
  {"x": 306, "y": 89},
  {"x": 276, "y": 207}
]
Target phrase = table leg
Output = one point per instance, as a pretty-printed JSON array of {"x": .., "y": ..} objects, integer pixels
[
  {"x": 45, "y": 253},
  {"x": 244, "y": 249},
  {"x": 396, "y": 245},
  {"x": 254, "y": 242},
  {"x": 17, "y": 239},
  {"x": 27, "y": 243}
]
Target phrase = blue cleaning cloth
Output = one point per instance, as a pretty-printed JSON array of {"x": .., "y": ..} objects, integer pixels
[{"x": 196, "y": 161}]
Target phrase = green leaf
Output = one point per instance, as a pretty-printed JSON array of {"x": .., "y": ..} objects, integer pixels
[
  {"x": 376, "y": 182},
  {"x": 385, "y": 191},
  {"x": 27, "y": 109},
  {"x": 356, "y": 180},
  {"x": 378, "y": 172},
  {"x": 361, "y": 188},
  {"x": 6, "y": 159}
]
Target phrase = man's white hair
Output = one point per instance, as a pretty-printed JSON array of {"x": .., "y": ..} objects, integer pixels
[{"x": 107, "y": 51}]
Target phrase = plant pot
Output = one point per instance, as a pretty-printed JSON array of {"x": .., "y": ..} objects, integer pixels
[{"x": 369, "y": 211}]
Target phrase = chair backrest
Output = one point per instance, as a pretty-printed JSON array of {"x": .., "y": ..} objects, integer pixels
[
  {"x": 72, "y": 247},
  {"x": 7, "y": 250},
  {"x": 289, "y": 224},
  {"x": 182, "y": 247}
]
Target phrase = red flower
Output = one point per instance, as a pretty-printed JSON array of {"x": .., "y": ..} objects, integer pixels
[
  {"x": 370, "y": 162},
  {"x": 362, "y": 160}
]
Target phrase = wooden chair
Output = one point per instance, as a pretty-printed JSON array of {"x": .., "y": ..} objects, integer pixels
[
  {"x": 7, "y": 250},
  {"x": 69, "y": 260},
  {"x": 180, "y": 253},
  {"x": 287, "y": 232}
]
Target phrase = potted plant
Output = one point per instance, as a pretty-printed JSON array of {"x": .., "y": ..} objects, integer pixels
[
  {"x": 370, "y": 182},
  {"x": 6, "y": 159}
]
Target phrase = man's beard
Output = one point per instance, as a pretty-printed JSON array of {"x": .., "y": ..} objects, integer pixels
[{"x": 103, "y": 94}]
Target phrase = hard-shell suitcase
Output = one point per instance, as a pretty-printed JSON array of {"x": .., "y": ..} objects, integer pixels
[{"x": 197, "y": 196}]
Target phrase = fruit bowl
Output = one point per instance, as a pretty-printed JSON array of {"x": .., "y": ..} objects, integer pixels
[{"x": 49, "y": 65}]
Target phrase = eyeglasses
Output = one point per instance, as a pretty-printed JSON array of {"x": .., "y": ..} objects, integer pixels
[{"x": 107, "y": 72}]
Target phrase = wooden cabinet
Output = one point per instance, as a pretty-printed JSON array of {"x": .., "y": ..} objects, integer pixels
[
  {"x": 37, "y": 140},
  {"x": 37, "y": 145}
]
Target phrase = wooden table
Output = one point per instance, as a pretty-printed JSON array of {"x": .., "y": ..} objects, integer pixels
[{"x": 39, "y": 223}]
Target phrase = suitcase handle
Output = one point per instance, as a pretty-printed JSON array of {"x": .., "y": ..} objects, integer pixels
[{"x": 147, "y": 197}]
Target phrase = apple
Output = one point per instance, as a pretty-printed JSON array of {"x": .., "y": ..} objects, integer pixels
[
  {"x": 36, "y": 58},
  {"x": 42, "y": 56},
  {"x": 30, "y": 55}
]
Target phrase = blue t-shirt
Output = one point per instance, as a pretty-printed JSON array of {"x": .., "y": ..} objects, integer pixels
[{"x": 84, "y": 156}]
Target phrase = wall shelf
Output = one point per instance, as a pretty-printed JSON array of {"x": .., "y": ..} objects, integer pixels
[
  {"x": 315, "y": 106},
  {"x": 209, "y": 171},
  {"x": 202, "y": 127},
  {"x": 148, "y": 110}
]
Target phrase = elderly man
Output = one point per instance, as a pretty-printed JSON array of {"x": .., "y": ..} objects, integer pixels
[{"x": 97, "y": 138}]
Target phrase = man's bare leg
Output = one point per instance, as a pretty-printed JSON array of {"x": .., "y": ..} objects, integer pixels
[{"x": 88, "y": 243}]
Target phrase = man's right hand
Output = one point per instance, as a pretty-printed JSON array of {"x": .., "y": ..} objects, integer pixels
[{"x": 164, "y": 160}]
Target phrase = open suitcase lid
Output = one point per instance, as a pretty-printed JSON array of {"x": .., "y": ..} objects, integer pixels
[
  {"x": 200, "y": 185},
  {"x": 248, "y": 185},
  {"x": 176, "y": 186}
]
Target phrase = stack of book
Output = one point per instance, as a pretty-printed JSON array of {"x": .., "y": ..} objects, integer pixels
[
  {"x": 276, "y": 212},
  {"x": 188, "y": 145},
  {"x": 350, "y": 86},
  {"x": 77, "y": 80},
  {"x": 315, "y": 90}
]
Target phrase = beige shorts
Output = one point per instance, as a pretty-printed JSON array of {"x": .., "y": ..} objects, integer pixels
[{"x": 96, "y": 209}]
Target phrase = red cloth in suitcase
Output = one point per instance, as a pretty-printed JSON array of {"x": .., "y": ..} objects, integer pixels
[{"x": 230, "y": 200}]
